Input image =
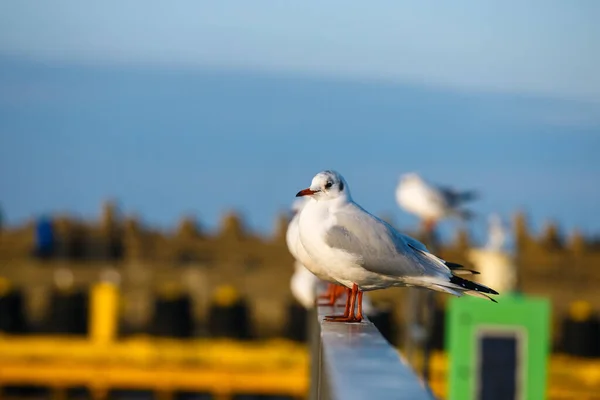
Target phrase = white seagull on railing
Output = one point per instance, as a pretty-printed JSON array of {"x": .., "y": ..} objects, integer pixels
[{"x": 363, "y": 253}]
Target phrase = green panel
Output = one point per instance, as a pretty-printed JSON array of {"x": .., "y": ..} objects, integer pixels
[{"x": 468, "y": 315}]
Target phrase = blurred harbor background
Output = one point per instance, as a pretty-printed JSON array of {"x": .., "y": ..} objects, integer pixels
[
  {"x": 149, "y": 155},
  {"x": 113, "y": 293}
]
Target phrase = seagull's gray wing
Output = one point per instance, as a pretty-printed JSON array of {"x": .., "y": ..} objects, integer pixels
[
  {"x": 380, "y": 248},
  {"x": 422, "y": 249},
  {"x": 414, "y": 243}
]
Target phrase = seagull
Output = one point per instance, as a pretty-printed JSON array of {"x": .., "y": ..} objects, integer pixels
[
  {"x": 334, "y": 290},
  {"x": 364, "y": 253},
  {"x": 429, "y": 202}
]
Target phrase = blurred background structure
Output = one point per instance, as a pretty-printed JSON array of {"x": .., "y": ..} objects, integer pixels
[
  {"x": 63, "y": 276},
  {"x": 204, "y": 119}
]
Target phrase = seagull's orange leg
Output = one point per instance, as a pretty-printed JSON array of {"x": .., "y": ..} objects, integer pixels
[
  {"x": 350, "y": 317},
  {"x": 327, "y": 294},
  {"x": 348, "y": 300},
  {"x": 359, "y": 315},
  {"x": 338, "y": 291},
  {"x": 333, "y": 293},
  {"x": 347, "y": 308}
]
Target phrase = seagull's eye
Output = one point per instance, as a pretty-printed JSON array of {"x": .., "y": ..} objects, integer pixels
[{"x": 328, "y": 185}]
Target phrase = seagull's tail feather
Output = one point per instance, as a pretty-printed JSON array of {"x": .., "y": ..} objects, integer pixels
[
  {"x": 472, "y": 288},
  {"x": 469, "y": 285},
  {"x": 479, "y": 294},
  {"x": 456, "y": 286},
  {"x": 445, "y": 289},
  {"x": 458, "y": 293},
  {"x": 458, "y": 269}
]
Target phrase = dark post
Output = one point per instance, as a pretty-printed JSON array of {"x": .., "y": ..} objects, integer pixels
[{"x": 411, "y": 323}]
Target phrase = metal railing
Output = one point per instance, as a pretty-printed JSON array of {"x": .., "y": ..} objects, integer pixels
[{"x": 354, "y": 361}]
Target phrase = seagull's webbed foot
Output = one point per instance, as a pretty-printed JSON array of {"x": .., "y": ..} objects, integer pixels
[
  {"x": 356, "y": 295},
  {"x": 341, "y": 318}
]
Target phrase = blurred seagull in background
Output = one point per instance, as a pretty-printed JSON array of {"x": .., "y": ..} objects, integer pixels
[
  {"x": 304, "y": 285},
  {"x": 497, "y": 233},
  {"x": 429, "y": 202},
  {"x": 363, "y": 253}
]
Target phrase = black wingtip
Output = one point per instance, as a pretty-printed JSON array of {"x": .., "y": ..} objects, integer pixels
[
  {"x": 452, "y": 265},
  {"x": 469, "y": 285},
  {"x": 455, "y": 266}
]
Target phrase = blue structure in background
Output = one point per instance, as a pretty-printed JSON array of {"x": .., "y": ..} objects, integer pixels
[{"x": 44, "y": 237}]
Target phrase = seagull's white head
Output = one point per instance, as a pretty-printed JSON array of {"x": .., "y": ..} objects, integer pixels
[{"x": 326, "y": 185}]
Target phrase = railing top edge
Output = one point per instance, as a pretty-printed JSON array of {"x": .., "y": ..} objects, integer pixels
[{"x": 361, "y": 363}]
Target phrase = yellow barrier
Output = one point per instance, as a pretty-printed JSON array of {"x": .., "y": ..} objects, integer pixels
[
  {"x": 221, "y": 367},
  {"x": 145, "y": 351}
]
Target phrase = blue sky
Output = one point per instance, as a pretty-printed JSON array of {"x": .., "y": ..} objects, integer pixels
[{"x": 197, "y": 107}]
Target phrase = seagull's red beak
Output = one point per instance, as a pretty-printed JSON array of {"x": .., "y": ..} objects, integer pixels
[{"x": 306, "y": 192}]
